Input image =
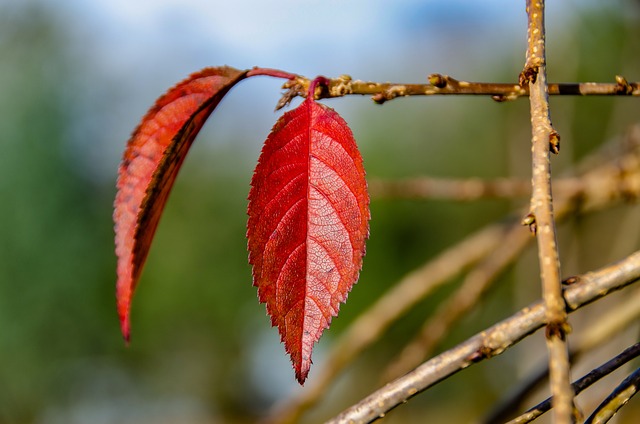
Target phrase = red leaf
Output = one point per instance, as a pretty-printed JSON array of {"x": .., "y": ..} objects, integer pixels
[
  {"x": 308, "y": 221},
  {"x": 149, "y": 167}
]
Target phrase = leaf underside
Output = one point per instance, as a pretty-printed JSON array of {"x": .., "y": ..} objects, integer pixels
[
  {"x": 151, "y": 161},
  {"x": 308, "y": 222}
]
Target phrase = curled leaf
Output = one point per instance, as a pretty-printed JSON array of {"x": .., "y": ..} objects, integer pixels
[
  {"x": 151, "y": 161},
  {"x": 308, "y": 222}
]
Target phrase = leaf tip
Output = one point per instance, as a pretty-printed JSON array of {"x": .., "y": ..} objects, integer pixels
[
  {"x": 301, "y": 377},
  {"x": 125, "y": 322},
  {"x": 123, "y": 303},
  {"x": 126, "y": 331},
  {"x": 302, "y": 370}
]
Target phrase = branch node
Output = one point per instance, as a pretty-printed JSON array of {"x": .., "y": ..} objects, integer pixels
[
  {"x": 500, "y": 98},
  {"x": 379, "y": 98},
  {"x": 530, "y": 220},
  {"x": 557, "y": 330},
  {"x": 528, "y": 75},
  {"x": 571, "y": 280},
  {"x": 554, "y": 142},
  {"x": 623, "y": 86},
  {"x": 389, "y": 94},
  {"x": 438, "y": 80},
  {"x": 481, "y": 354}
]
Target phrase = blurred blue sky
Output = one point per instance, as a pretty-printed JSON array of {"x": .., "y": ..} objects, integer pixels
[
  {"x": 291, "y": 33},
  {"x": 297, "y": 35},
  {"x": 143, "y": 47}
]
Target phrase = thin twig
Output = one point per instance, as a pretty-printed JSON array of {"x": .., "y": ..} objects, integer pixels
[
  {"x": 616, "y": 400},
  {"x": 466, "y": 190},
  {"x": 583, "y": 383},
  {"x": 446, "y": 85},
  {"x": 491, "y": 342},
  {"x": 619, "y": 178},
  {"x": 544, "y": 140},
  {"x": 613, "y": 322},
  {"x": 465, "y": 297},
  {"x": 596, "y": 188}
]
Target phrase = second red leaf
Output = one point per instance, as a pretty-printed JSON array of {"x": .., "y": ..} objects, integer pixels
[{"x": 308, "y": 222}]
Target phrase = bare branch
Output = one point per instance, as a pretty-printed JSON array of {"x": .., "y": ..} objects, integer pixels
[
  {"x": 491, "y": 342},
  {"x": 455, "y": 189},
  {"x": 616, "y": 400},
  {"x": 583, "y": 383},
  {"x": 465, "y": 297},
  {"x": 613, "y": 322},
  {"x": 620, "y": 178},
  {"x": 589, "y": 188},
  {"x": 381, "y": 92},
  {"x": 544, "y": 140},
  {"x": 465, "y": 190}
]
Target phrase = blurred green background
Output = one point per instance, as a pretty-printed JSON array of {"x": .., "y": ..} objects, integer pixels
[{"x": 76, "y": 77}]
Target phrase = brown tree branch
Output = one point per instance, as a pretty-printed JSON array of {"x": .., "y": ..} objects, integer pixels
[
  {"x": 583, "y": 383},
  {"x": 618, "y": 398},
  {"x": 613, "y": 322},
  {"x": 619, "y": 178},
  {"x": 544, "y": 140},
  {"x": 464, "y": 298},
  {"x": 491, "y": 342},
  {"x": 596, "y": 189},
  {"x": 465, "y": 190},
  {"x": 448, "y": 188},
  {"x": 446, "y": 85}
]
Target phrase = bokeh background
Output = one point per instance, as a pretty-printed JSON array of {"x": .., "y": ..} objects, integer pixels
[{"x": 75, "y": 78}]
